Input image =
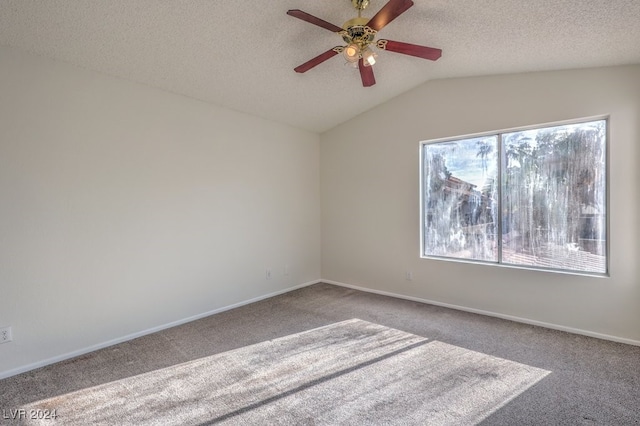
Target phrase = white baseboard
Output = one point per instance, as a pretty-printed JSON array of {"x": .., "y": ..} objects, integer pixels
[
  {"x": 492, "y": 314},
  {"x": 73, "y": 354}
]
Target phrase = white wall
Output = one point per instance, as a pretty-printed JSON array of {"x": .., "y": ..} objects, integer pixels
[
  {"x": 370, "y": 198},
  {"x": 124, "y": 208}
]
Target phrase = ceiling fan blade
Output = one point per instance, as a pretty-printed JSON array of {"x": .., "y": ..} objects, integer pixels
[
  {"x": 388, "y": 13},
  {"x": 367, "y": 74},
  {"x": 317, "y": 60},
  {"x": 297, "y": 13},
  {"x": 425, "y": 52}
]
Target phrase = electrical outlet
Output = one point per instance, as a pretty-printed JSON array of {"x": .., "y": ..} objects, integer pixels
[
  {"x": 268, "y": 274},
  {"x": 408, "y": 275},
  {"x": 286, "y": 270},
  {"x": 5, "y": 335}
]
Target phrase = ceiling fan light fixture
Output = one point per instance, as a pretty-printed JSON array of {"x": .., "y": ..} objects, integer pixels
[
  {"x": 369, "y": 57},
  {"x": 351, "y": 52}
]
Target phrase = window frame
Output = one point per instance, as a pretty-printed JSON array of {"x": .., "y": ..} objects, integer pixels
[{"x": 500, "y": 168}]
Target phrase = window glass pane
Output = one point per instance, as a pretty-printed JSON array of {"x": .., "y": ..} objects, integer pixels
[
  {"x": 460, "y": 192},
  {"x": 554, "y": 197}
]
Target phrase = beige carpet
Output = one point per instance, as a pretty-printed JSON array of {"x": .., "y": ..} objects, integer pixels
[{"x": 349, "y": 372}]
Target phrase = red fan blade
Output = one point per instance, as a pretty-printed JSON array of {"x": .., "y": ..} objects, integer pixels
[
  {"x": 388, "y": 13},
  {"x": 296, "y": 13},
  {"x": 367, "y": 74},
  {"x": 316, "y": 61},
  {"x": 425, "y": 52}
]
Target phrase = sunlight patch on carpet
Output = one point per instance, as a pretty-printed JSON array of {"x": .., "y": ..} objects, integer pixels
[{"x": 348, "y": 372}]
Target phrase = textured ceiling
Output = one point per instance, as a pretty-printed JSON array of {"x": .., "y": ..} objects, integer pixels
[{"x": 241, "y": 54}]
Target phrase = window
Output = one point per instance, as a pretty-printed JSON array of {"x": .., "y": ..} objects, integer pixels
[{"x": 533, "y": 198}]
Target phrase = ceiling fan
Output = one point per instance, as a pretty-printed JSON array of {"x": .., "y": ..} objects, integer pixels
[{"x": 360, "y": 33}]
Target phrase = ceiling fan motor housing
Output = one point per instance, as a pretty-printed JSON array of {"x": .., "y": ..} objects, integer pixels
[{"x": 357, "y": 31}]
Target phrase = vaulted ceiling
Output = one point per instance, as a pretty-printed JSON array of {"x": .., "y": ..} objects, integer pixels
[{"x": 241, "y": 54}]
